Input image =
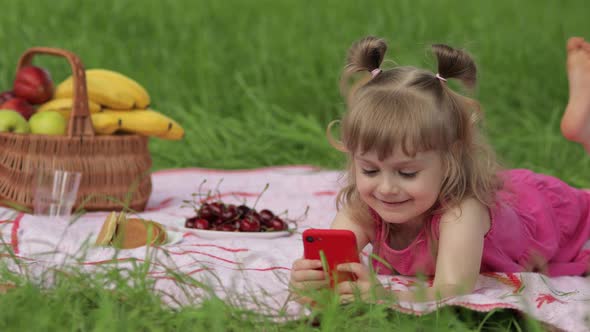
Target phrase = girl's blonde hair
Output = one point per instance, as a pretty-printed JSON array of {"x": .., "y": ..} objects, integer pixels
[{"x": 415, "y": 110}]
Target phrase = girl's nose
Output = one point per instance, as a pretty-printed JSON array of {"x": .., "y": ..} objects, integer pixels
[{"x": 389, "y": 186}]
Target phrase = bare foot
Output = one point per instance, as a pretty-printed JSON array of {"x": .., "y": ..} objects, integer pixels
[{"x": 575, "y": 124}]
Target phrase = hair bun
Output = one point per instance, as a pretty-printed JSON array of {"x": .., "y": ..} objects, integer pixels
[
  {"x": 455, "y": 63},
  {"x": 366, "y": 54}
]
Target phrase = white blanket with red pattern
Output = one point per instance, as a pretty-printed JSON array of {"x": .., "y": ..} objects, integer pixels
[{"x": 254, "y": 272}]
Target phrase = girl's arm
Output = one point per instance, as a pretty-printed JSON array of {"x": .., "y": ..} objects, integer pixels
[{"x": 460, "y": 249}]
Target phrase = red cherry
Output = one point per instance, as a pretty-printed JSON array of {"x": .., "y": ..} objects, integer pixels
[
  {"x": 189, "y": 223},
  {"x": 205, "y": 212},
  {"x": 229, "y": 227},
  {"x": 266, "y": 216},
  {"x": 242, "y": 210},
  {"x": 233, "y": 209},
  {"x": 214, "y": 222},
  {"x": 254, "y": 215},
  {"x": 249, "y": 225},
  {"x": 216, "y": 209},
  {"x": 229, "y": 213},
  {"x": 277, "y": 224},
  {"x": 201, "y": 224}
]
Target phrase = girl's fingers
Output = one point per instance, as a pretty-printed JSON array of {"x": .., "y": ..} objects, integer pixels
[
  {"x": 346, "y": 298},
  {"x": 307, "y": 275},
  {"x": 307, "y": 264},
  {"x": 358, "y": 269},
  {"x": 353, "y": 287},
  {"x": 301, "y": 299},
  {"x": 304, "y": 300},
  {"x": 346, "y": 287},
  {"x": 310, "y": 285}
]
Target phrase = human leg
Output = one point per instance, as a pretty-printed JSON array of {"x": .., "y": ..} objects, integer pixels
[{"x": 575, "y": 124}]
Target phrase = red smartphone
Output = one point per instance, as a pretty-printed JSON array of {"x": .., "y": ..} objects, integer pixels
[{"x": 336, "y": 245}]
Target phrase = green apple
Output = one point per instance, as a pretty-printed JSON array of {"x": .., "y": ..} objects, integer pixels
[
  {"x": 48, "y": 123},
  {"x": 13, "y": 122}
]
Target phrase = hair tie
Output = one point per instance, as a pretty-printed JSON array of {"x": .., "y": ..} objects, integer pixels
[
  {"x": 375, "y": 72},
  {"x": 440, "y": 77}
]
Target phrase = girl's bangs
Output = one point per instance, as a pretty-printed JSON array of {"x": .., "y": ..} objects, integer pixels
[{"x": 398, "y": 121}]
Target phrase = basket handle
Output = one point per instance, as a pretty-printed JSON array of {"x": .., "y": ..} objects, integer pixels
[{"x": 80, "y": 122}]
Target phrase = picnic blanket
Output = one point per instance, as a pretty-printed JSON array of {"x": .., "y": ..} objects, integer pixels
[{"x": 254, "y": 272}]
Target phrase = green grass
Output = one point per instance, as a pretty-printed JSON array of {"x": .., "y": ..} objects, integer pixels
[
  {"x": 254, "y": 83},
  {"x": 124, "y": 300}
]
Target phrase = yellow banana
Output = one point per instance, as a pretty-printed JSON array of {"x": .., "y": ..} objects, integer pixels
[
  {"x": 100, "y": 91},
  {"x": 124, "y": 83},
  {"x": 143, "y": 122},
  {"x": 104, "y": 125},
  {"x": 65, "y": 104},
  {"x": 64, "y": 107}
]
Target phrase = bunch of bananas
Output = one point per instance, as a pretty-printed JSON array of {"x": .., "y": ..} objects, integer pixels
[{"x": 116, "y": 103}]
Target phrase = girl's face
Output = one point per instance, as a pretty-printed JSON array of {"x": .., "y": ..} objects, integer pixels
[{"x": 400, "y": 188}]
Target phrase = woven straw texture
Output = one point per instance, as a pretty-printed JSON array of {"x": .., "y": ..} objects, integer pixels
[{"x": 115, "y": 168}]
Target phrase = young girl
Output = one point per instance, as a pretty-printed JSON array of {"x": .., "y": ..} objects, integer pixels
[{"x": 424, "y": 187}]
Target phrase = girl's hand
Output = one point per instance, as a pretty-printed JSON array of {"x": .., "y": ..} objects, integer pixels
[
  {"x": 305, "y": 277},
  {"x": 367, "y": 287}
]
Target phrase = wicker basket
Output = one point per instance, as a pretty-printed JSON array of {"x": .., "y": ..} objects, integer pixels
[{"x": 115, "y": 168}]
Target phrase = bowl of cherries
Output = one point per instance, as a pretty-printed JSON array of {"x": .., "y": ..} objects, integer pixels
[{"x": 216, "y": 219}]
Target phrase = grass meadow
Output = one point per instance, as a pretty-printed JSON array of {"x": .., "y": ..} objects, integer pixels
[{"x": 254, "y": 83}]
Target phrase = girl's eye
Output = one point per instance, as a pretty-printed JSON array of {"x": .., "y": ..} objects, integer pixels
[
  {"x": 408, "y": 175},
  {"x": 369, "y": 171}
]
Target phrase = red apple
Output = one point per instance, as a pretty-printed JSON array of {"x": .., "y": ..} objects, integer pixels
[
  {"x": 20, "y": 105},
  {"x": 6, "y": 96},
  {"x": 33, "y": 84}
]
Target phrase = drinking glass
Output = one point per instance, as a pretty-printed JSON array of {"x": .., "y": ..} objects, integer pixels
[{"x": 55, "y": 193}]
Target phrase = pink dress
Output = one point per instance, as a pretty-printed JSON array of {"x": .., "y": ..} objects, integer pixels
[{"x": 535, "y": 213}]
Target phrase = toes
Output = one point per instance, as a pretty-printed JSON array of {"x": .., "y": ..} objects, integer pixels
[{"x": 575, "y": 43}]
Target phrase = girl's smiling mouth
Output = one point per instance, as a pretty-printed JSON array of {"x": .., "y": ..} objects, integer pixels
[{"x": 393, "y": 203}]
